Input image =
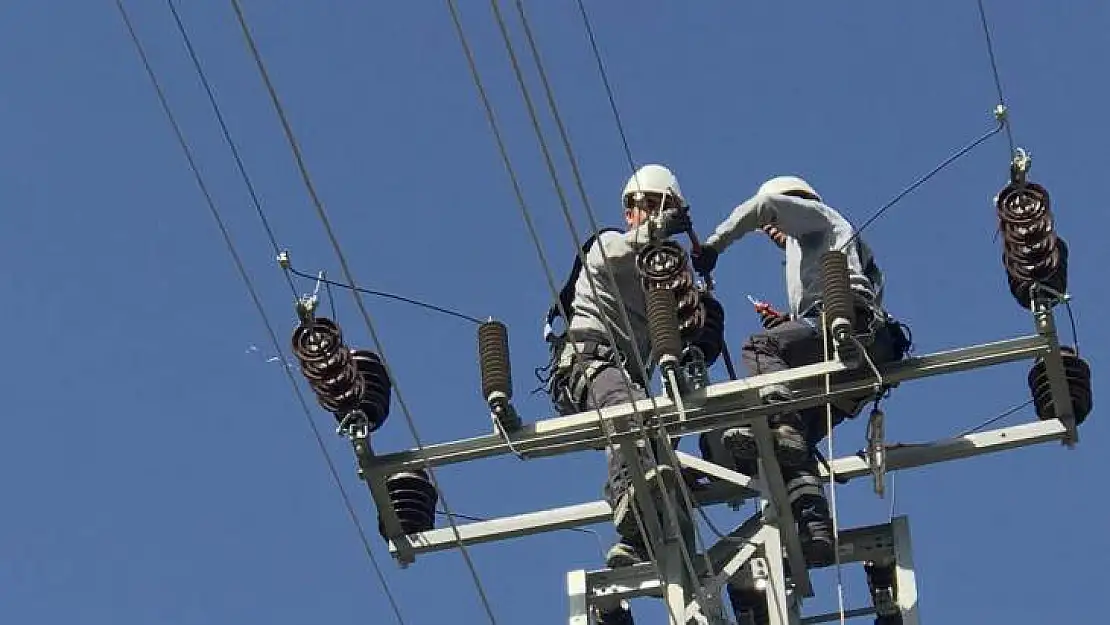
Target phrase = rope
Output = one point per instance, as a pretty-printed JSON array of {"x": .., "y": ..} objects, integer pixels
[
  {"x": 348, "y": 275},
  {"x": 228, "y": 241},
  {"x": 832, "y": 475}
]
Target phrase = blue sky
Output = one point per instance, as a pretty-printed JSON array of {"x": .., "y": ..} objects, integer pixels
[{"x": 155, "y": 464}]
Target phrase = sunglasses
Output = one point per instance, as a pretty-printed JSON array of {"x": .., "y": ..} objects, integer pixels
[{"x": 651, "y": 201}]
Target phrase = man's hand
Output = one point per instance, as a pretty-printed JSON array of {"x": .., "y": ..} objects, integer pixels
[
  {"x": 670, "y": 222},
  {"x": 704, "y": 259}
]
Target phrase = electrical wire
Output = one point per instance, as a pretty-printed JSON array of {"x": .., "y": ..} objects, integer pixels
[
  {"x": 576, "y": 172},
  {"x": 995, "y": 419},
  {"x": 257, "y": 302},
  {"x": 227, "y": 134},
  {"x": 526, "y": 214},
  {"x": 564, "y": 205},
  {"x": 393, "y": 296},
  {"x": 605, "y": 82},
  {"x": 922, "y": 180},
  {"x": 348, "y": 275},
  {"x": 994, "y": 72}
]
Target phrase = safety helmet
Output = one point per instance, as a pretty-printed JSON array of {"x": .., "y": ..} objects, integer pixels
[
  {"x": 653, "y": 179},
  {"x": 783, "y": 185}
]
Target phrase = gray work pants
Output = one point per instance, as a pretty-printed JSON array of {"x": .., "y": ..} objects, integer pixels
[
  {"x": 797, "y": 343},
  {"x": 611, "y": 387}
]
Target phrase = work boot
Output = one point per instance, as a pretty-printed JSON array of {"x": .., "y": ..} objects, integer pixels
[
  {"x": 619, "y": 615},
  {"x": 815, "y": 529},
  {"x": 627, "y": 552},
  {"x": 788, "y": 434}
]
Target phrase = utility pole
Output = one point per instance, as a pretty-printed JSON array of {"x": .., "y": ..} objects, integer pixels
[{"x": 761, "y": 558}]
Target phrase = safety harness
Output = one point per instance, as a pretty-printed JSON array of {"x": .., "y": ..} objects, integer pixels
[{"x": 572, "y": 367}]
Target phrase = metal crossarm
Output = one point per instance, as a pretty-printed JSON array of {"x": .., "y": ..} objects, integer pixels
[{"x": 725, "y": 404}]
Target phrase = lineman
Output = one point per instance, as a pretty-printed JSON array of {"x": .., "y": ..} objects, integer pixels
[
  {"x": 791, "y": 212},
  {"x": 604, "y": 374}
]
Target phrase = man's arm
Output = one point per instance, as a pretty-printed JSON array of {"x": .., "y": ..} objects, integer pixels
[
  {"x": 619, "y": 247},
  {"x": 795, "y": 216}
]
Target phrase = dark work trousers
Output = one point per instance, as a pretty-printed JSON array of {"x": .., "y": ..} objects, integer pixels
[
  {"x": 797, "y": 343},
  {"x": 611, "y": 387}
]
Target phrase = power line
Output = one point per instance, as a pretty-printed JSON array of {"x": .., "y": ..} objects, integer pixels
[
  {"x": 227, "y": 134},
  {"x": 257, "y": 302},
  {"x": 995, "y": 419},
  {"x": 393, "y": 296},
  {"x": 605, "y": 81},
  {"x": 922, "y": 180},
  {"x": 525, "y": 212},
  {"x": 552, "y": 104},
  {"x": 319, "y": 206},
  {"x": 994, "y": 72}
]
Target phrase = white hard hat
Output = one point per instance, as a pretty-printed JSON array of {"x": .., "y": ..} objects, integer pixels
[
  {"x": 652, "y": 179},
  {"x": 781, "y": 185}
]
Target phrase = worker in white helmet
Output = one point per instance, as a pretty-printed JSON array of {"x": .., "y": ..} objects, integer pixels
[
  {"x": 604, "y": 374},
  {"x": 790, "y": 211}
]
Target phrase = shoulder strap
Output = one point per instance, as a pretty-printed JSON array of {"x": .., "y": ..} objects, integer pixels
[{"x": 566, "y": 294}]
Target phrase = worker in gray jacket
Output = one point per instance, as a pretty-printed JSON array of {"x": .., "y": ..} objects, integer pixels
[
  {"x": 588, "y": 370},
  {"x": 789, "y": 209}
]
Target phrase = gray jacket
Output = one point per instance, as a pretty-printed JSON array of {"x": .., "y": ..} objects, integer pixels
[
  {"x": 812, "y": 228},
  {"x": 590, "y": 311}
]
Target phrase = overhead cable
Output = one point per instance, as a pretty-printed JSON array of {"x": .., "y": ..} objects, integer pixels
[
  {"x": 552, "y": 104},
  {"x": 349, "y": 276},
  {"x": 257, "y": 302}
]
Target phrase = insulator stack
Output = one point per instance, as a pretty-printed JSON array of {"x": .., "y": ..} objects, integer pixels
[
  {"x": 493, "y": 360},
  {"x": 666, "y": 341},
  {"x": 497, "y": 377},
  {"x": 377, "y": 389},
  {"x": 327, "y": 365},
  {"x": 1032, "y": 252},
  {"x": 414, "y": 500},
  {"x": 664, "y": 265},
  {"x": 840, "y": 311},
  {"x": 661, "y": 265},
  {"x": 1078, "y": 375},
  {"x": 710, "y": 337}
]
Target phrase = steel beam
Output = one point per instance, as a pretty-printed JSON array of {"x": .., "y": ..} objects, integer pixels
[
  {"x": 725, "y": 404},
  {"x": 899, "y": 457}
]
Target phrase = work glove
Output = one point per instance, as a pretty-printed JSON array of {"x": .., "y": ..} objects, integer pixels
[
  {"x": 670, "y": 222},
  {"x": 704, "y": 259}
]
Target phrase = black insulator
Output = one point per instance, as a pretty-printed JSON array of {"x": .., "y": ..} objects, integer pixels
[
  {"x": 376, "y": 387},
  {"x": 414, "y": 500},
  {"x": 327, "y": 365},
  {"x": 493, "y": 359},
  {"x": 1032, "y": 252},
  {"x": 1078, "y": 375},
  {"x": 691, "y": 313},
  {"x": 711, "y": 335},
  {"x": 661, "y": 263},
  {"x": 662, "y": 313},
  {"x": 1054, "y": 275},
  {"x": 837, "y": 295}
]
